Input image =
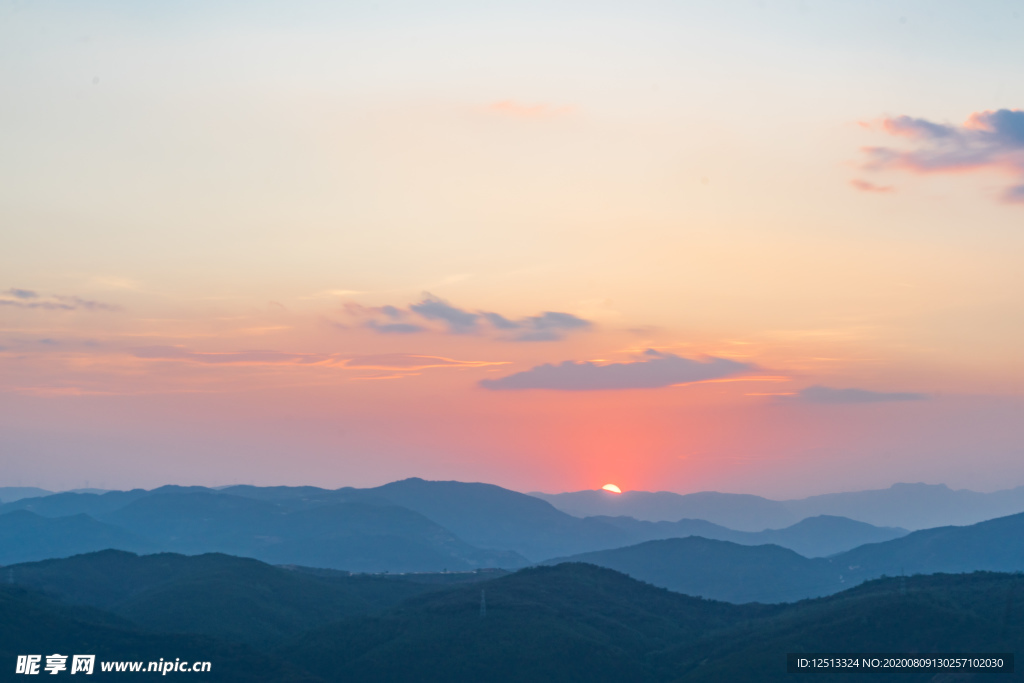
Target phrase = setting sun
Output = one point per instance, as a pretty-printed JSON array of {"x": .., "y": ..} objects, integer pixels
[{"x": 611, "y": 487}]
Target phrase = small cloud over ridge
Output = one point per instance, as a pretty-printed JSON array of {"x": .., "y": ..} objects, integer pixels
[
  {"x": 656, "y": 370},
  {"x": 822, "y": 394}
]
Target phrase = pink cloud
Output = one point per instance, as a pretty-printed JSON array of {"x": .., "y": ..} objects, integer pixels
[
  {"x": 406, "y": 361},
  {"x": 986, "y": 140},
  {"x": 865, "y": 186}
]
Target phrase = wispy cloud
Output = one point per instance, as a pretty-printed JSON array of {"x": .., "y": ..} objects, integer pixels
[
  {"x": 821, "y": 394},
  {"x": 545, "y": 326},
  {"x": 26, "y": 298},
  {"x": 406, "y": 361},
  {"x": 986, "y": 140},
  {"x": 656, "y": 370},
  {"x": 230, "y": 357}
]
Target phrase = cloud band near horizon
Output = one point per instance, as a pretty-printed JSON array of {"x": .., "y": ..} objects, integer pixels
[{"x": 656, "y": 370}]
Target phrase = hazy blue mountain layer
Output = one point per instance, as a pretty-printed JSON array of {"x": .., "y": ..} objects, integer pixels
[
  {"x": 353, "y": 536},
  {"x": 492, "y": 517},
  {"x": 9, "y": 494},
  {"x": 812, "y": 537},
  {"x": 720, "y": 570},
  {"x": 406, "y": 526},
  {"x": 910, "y": 506},
  {"x": 25, "y": 537},
  {"x": 727, "y": 571},
  {"x": 350, "y": 536}
]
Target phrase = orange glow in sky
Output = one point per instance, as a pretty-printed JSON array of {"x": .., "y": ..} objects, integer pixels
[{"x": 202, "y": 283}]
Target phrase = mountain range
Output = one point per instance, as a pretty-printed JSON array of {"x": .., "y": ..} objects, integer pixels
[
  {"x": 812, "y": 537},
  {"x": 910, "y": 506},
  {"x": 406, "y": 526},
  {"x": 767, "y": 573}
]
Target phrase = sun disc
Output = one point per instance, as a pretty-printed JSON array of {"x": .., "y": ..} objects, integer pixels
[{"x": 612, "y": 487}]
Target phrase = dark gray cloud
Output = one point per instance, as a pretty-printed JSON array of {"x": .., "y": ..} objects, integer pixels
[
  {"x": 656, "y": 370},
  {"x": 26, "y": 298},
  {"x": 547, "y": 326},
  {"x": 988, "y": 139},
  {"x": 820, "y": 394}
]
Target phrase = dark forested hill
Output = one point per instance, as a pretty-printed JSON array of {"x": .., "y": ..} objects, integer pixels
[
  {"x": 938, "y": 614},
  {"x": 573, "y": 622},
  {"x": 30, "y": 623},
  {"x": 570, "y": 622},
  {"x": 218, "y": 595}
]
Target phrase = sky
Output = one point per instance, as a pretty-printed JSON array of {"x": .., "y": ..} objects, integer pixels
[{"x": 766, "y": 247}]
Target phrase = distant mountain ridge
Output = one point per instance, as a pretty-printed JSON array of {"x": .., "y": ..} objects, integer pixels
[
  {"x": 9, "y": 494},
  {"x": 910, "y": 506},
  {"x": 408, "y": 525},
  {"x": 722, "y": 570},
  {"x": 812, "y": 537}
]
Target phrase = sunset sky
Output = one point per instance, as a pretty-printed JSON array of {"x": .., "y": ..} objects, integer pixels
[{"x": 771, "y": 247}]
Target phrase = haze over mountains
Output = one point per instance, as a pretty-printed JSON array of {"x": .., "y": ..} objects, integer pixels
[
  {"x": 409, "y": 525},
  {"x": 191, "y": 571},
  {"x": 812, "y": 537},
  {"x": 722, "y": 570},
  {"x": 910, "y": 506},
  {"x": 423, "y": 526}
]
